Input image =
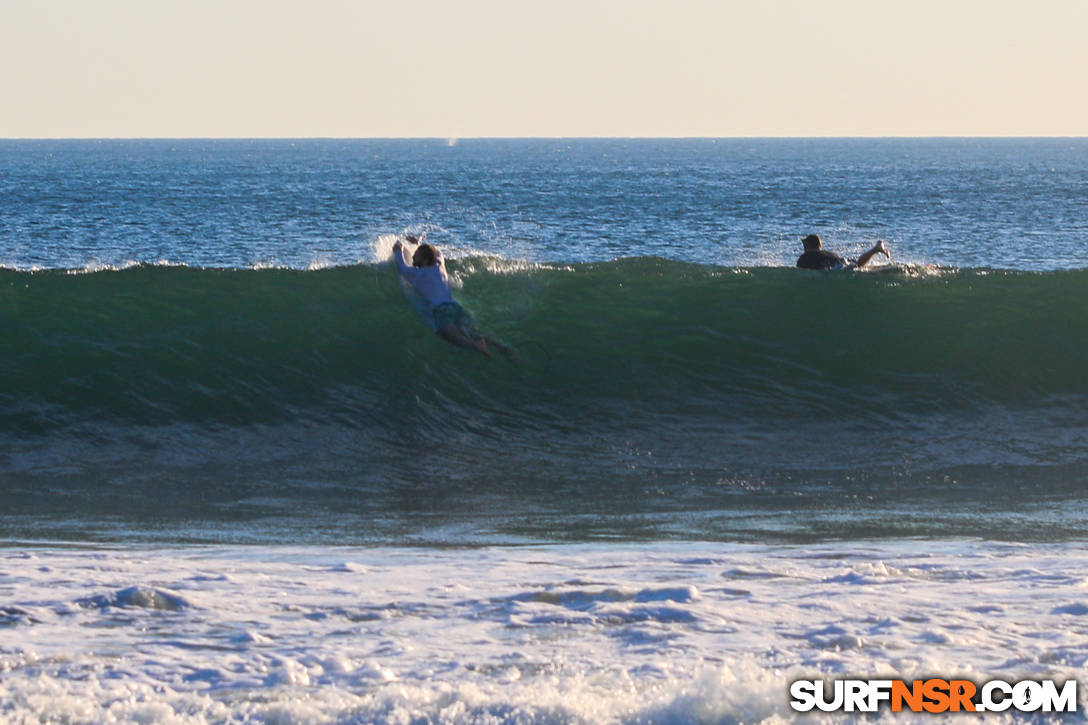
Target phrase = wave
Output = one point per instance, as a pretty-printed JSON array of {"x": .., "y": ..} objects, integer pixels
[
  {"x": 637, "y": 370},
  {"x": 159, "y": 344}
]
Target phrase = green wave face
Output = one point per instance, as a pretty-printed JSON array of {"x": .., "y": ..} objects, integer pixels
[
  {"x": 647, "y": 391},
  {"x": 158, "y": 344}
]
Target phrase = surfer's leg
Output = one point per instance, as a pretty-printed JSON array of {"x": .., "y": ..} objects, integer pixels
[
  {"x": 453, "y": 334},
  {"x": 507, "y": 352},
  {"x": 878, "y": 249}
]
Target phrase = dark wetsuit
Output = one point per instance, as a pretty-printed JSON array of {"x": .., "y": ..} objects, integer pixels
[{"x": 822, "y": 259}]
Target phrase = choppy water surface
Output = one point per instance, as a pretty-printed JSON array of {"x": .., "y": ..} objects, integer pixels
[{"x": 241, "y": 480}]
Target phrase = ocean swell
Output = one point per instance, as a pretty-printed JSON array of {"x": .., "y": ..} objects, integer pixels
[
  {"x": 696, "y": 380},
  {"x": 160, "y": 344}
]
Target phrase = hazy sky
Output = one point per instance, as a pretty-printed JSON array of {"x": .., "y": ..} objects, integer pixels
[{"x": 461, "y": 68}]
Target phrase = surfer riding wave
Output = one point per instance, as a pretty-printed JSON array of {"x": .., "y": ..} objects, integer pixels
[{"x": 427, "y": 276}]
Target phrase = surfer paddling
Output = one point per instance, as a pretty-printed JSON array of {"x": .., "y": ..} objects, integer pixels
[
  {"x": 816, "y": 257},
  {"x": 427, "y": 275}
]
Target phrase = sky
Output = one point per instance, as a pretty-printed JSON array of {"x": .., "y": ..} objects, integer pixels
[{"x": 542, "y": 68}]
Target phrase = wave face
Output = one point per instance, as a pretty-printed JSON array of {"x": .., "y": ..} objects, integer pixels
[
  {"x": 651, "y": 372},
  {"x": 154, "y": 345}
]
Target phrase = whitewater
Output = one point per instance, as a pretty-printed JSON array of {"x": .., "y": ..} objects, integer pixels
[
  {"x": 625, "y": 633},
  {"x": 242, "y": 481}
]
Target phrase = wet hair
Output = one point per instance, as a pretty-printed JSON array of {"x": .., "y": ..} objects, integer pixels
[
  {"x": 812, "y": 241},
  {"x": 425, "y": 256}
]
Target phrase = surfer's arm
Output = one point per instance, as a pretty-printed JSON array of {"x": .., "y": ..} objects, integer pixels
[{"x": 398, "y": 257}]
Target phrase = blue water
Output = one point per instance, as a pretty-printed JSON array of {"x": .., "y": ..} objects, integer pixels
[
  {"x": 241, "y": 480},
  {"x": 234, "y": 359},
  {"x": 1009, "y": 204}
]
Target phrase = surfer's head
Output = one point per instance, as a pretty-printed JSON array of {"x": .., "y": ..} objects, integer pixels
[
  {"x": 811, "y": 242},
  {"x": 424, "y": 256}
]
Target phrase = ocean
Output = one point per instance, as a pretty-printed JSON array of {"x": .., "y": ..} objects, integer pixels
[{"x": 242, "y": 481}]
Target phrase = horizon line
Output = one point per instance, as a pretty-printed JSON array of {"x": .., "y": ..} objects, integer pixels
[{"x": 447, "y": 138}]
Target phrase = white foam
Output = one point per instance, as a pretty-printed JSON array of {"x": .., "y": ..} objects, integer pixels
[
  {"x": 381, "y": 249},
  {"x": 138, "y": 596},
  {"x": 599, "y": 634}
]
